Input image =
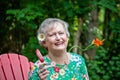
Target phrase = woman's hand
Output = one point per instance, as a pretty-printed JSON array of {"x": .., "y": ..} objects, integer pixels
[{"x": 43, "y": 72}]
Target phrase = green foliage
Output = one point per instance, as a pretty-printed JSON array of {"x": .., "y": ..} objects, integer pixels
[
  {"x": 104, "y": 67},
  {"x": 115, "y": 27},
  {"x": 109, "y": 4},
  {"x": 29, "y": 13}
]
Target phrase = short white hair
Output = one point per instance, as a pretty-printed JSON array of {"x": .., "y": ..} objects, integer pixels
[{"x": 48, "y": 22}]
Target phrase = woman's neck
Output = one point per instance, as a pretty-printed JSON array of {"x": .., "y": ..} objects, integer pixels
[{"x": 59, "y": 58}]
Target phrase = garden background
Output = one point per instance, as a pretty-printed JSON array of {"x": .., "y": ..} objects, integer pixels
[{"x": 88, "y": 19}]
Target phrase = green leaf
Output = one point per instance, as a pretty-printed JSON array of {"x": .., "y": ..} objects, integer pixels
[
  {"x": 110, "y": 4},
  {"x": 12, "y": 11}
]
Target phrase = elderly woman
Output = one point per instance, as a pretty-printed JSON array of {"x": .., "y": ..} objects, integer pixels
[{"x": 58, "y": 64}]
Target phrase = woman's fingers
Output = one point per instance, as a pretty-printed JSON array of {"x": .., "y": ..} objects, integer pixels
[
  {"x": 48, "y": 66},
  {"x": 41, "y": 65},
  {"x": 45, "y": 65},
  {"x": 43, "y": 75},
  {"x": 43, "y": 72},
  {"x": 43, "y": 68}
]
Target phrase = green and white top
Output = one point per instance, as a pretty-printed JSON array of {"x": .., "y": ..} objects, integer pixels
[{"x": 75, "y": 70}]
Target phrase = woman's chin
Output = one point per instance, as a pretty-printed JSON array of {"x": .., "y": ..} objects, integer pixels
[{"x": 60, "y": 48}]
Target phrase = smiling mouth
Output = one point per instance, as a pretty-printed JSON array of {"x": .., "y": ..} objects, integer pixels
[{"x": 59, "y": 43}]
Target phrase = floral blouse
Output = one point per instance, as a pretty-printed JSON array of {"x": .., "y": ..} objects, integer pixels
[{"x": 75, "y": 70}]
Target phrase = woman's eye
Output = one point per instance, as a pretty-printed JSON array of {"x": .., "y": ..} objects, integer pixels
[
  {"x": 51, "y": 35},
  {"x": 61, "y": 33}
]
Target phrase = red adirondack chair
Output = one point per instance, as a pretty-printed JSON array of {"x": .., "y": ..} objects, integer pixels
[{"x": 14, "y": 67}]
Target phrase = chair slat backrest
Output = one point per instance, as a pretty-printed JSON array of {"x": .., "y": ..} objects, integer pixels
[
  {"x": 25, "y": 67},
  {"x": 1, "y": 73},
  {"x": 14, "y": 67}
]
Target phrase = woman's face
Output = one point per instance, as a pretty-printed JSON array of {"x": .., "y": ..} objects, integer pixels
[{"x": 56, "y": 38}]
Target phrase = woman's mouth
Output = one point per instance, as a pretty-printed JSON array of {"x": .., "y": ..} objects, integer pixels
[{"x": 59, "y": 43}]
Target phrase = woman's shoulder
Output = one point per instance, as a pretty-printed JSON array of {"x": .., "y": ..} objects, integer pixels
[{"x": 76, "y": 57}]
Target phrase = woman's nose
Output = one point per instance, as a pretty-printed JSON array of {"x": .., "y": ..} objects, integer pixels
[{"x": 57, "y": 36}]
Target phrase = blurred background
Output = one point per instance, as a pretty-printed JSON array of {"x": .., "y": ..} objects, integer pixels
[{"x": 88, "y": 19}]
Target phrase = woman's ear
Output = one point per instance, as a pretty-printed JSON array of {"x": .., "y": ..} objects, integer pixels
[{"x": 43, "y": 43}]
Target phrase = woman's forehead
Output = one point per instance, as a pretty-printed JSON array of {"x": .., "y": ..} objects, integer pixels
[{"x": 55, "y": 25}]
